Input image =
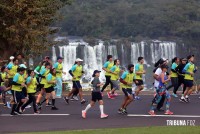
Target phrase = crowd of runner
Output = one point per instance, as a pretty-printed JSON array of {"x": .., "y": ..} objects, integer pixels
[{"x": 44, "y": 83}]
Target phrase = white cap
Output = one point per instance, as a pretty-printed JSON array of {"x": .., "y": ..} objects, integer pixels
[
  {"x": 23, "y": 66},
  {"x": 78, "y": 59},
  {"x": 12, "y": 57}
]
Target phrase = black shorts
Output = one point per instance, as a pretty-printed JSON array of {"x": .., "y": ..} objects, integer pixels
[
  {"x": 140, "y": 82},
  {"x": 188, "y": 83},
  {"x": 96, "y": 96},
  {"x": 49, "y": 89},
  {"x": 76, "y": 85},
  {"x": 127, "y": 91},
  {"x": 17, "y": 96}
]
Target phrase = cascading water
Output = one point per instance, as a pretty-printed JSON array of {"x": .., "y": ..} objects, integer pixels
[
  {"x": 54, "y": 54},
  {"x": 112, "y": 50},
  {"x": 95, "y": 56},
  {"x": 69, "y": 55}
]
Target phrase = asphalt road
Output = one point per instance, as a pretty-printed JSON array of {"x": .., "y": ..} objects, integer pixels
[{"x": 68, "y": 117}]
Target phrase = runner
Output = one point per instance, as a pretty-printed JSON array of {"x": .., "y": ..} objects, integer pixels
[
  {"x": 157, "y": 72},
  {"x": 96, "y": 96},
  {"x": 189, "y": 71},
  {"x": 181, "y": 75},
  {"x": 162, "y": 90},
  {"x": 17, "y": 85},
  {"x": 106, "y": 67},
  {"x": 76, "y": 72},
  {"x": 174, "y": 76},
  {"x": 139, "y": 71},
  {"x": 127, "y": 79},
  {"x": 115, "y": 71},
  {"x": 50, "y": 88},
  {"x": 4, "y": 80},
  {"x": 43, "y": 73},
  {"x": 11, "y": 70},
  {"x": 31, "y": 90},
  {"x": 59, "y": 70}
]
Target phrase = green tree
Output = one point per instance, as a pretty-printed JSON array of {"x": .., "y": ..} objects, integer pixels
[{"x": 25, "y": 24}]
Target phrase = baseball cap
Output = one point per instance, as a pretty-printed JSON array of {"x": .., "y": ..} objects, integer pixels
[
  {"x": 12, "y": 57},
  {"x": 22, "y": 66},
  {"x": 95, "y": 71},
  {"x": 78, "y": 59}
]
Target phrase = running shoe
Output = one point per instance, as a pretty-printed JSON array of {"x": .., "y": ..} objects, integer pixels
[
  {"x": 18, "y": 113},
  {"x": 54, "y": 108},
  {"x": 5, "y": 105},
  {"x": 83, "y": 101},
  {"x": 120, "y": 111},
  {"x": 137, "y": 98},
  {"x": 48, "y": 104},
  {"x": 103, "y": 116},
  {"x": 21, "y": 110},
  {"x": 74, "y": 98},
  {"x": 115, "y": 94},
  {"x": 83, "y": 114},
  {"x": 66, "y": 100},
  {"x": 151, "y": 112},
  {"x": 168, "y": 112},
  {"x": 13, "y": 114},
  {"x": 174, "y": 95},
  {"x": 8, "y": 105},
  {"x": 182, "y": 100},
  {"x": 37, "y": 112},
  {"x": 109, "y": 95},
  {"x": 187, "y": 99},
  {"x": 29, "y": 106},
  {"x": 124, "y": 111}
]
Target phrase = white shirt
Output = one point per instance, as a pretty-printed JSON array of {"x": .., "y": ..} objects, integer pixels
[{"x": 158, "y": 73}]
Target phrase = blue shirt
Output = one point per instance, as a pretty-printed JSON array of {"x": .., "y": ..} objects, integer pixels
[
  {"x": 74, "y": 67},
  {"x": 16, "y": 77}
]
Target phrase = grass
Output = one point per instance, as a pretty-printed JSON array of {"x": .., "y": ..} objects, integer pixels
[{"x": 138, "y": 130}]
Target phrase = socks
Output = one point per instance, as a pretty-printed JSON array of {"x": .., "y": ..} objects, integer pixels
[
  {"x": 53, "y": 102},
  {"x": 87, "y": 107},
  {"x": 186, "y": 96},
  {"x": 101, "y": 109}
]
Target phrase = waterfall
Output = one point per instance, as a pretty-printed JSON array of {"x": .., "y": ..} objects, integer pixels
[
  {"x": 95, "y": 56},
  {"x": 162, "y": 49},
  {"x": 90, "y": 62},
  {"x": 54, "y": 57},
  {"x": 112, "y": 50},
  {"x": 135, "y": 52},
  {"x": 100, "y": 55},
  {"x": 69, "y": 55}
]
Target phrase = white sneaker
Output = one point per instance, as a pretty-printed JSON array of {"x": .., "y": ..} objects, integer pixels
[
  {"x": 103, "y": 116},
  {"x": 29, "y": 106},
  {"x": 8, "y": 105}
]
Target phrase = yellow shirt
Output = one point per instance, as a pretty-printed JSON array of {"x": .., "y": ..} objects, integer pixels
[
  {"x": 127, "y": 77},
  {"x": 31, "y": 88},
  {"x": 108, "y": 65},
  {"x": 18, "y": 79},
  {"x": 115, "y": 69}
]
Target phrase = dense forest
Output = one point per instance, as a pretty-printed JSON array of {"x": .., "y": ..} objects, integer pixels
[{"x": 134, "y": 19}]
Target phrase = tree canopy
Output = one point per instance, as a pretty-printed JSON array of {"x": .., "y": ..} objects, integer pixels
[
  {"x": 132, "y": 18},
  {"x": 25, "y": 24}
]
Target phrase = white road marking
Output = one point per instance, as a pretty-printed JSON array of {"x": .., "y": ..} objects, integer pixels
[{"x": 180, "y": 116}]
